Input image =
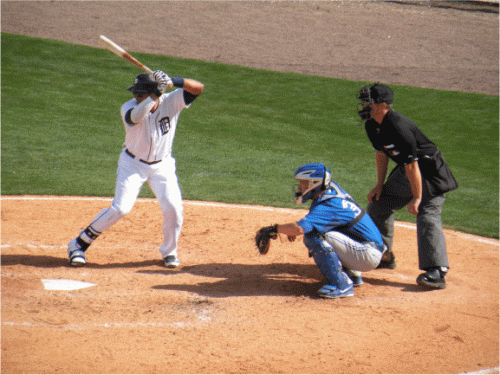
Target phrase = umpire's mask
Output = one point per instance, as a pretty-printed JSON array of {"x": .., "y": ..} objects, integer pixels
[{"x": 364, "y": 107}]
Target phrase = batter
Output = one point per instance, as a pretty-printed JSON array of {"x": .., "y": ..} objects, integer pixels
[{"x": 150, "y": 121}]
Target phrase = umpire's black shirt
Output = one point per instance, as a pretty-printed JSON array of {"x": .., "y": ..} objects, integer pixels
[{"x": 399, "y": 138}]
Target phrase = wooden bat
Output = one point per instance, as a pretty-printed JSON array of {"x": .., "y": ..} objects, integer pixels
[{"x": 117, "y": 50}]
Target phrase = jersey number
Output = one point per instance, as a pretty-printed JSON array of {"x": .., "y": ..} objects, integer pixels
[
  {"x": 352, "y": 206},
  {"x": 165, "y": 125}
]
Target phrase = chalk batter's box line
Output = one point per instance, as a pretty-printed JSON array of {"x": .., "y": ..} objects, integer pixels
[{"x": 238, "y": 206}]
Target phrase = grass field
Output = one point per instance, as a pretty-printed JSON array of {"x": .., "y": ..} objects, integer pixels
[{"x": 240, "y": 142}]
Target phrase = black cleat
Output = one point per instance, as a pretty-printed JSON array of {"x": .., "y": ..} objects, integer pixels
[{"x": 433, "y": 278}]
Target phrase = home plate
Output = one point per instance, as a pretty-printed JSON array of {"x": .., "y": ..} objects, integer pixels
[{"x": 63, "y": 284}]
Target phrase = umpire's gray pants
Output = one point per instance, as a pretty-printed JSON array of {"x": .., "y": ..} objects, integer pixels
[{"x": 396, "y": 194}]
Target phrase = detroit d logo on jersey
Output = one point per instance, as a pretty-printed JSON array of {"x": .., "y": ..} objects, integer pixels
[{"x": 165, "y": 125}]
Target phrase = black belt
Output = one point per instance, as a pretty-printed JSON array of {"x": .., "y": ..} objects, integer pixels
[{"x": 143, "y": 161}]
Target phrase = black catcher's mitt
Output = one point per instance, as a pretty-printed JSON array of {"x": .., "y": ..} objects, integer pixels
[{"x": 264, "y": 236}]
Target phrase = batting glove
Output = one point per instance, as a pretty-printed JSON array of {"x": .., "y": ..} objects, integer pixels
[{"x": 164, "y": 81}]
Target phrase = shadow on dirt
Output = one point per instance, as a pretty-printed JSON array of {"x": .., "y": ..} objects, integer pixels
[
  {"x": 34, "y": 261},
  {"x": 242, "y": 280},
  {"x": 44, "y": 261},
  {"x": 405, "y": 287},
  {"x": 279, "y": 279}
]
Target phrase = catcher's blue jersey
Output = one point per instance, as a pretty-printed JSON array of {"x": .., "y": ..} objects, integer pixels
[{"x": 336, "y": 208}]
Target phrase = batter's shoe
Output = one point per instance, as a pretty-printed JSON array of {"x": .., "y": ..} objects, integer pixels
[
  {"x": 76, "y": 254},
  {"x": 355, "y": 277},
  {"x": 171, "y": 261},
  {"x": 331, "y": 291},
  {"x": 388, "y": 261},
  {"x": 434, "y": 278}
]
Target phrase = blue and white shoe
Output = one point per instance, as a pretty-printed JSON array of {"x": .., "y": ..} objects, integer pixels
[
  {"x": 76, "y": 254},
  {"x": 171, "y": 261},
  {"x": 331, "y": 291},
  {"x": 355, "y": 277}
]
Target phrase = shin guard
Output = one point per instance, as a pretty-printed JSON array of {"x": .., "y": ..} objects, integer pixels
[{"x": 327, "y": 260}]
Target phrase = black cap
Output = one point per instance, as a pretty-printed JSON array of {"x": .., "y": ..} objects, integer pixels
[{"x": 381, "y": 94}]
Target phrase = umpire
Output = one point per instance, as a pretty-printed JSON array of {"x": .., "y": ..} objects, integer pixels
[{"x": 419, "y": 181}]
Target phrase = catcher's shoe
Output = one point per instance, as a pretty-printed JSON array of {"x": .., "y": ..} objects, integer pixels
[
  {"x": 76, "y": 254},
  {"x": 331, "y": 291},
  {"x": 171, "y": 261},
  {"x": 388, "y": 261},
  {"x": 434, "y": 278},
  {"x": 355, "y": 277}
]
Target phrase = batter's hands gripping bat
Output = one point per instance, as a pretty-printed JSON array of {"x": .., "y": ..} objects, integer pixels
[{"x": 117, "y": 50}]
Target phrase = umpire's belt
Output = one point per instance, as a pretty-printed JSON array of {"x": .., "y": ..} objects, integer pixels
[
  {"x": 373, "y": 244},
  {"x": 142, "y": 161}
]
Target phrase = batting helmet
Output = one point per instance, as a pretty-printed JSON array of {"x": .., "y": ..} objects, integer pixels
[
  {"x": 318, "y": 178},
  {"x": 143, "y": 84}
]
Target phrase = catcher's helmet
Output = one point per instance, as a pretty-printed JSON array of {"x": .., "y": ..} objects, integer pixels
[
  {"x": 377, "y": 93},
  {"x": 143, "y": 84},
  {"x": 318, "y": 178}
]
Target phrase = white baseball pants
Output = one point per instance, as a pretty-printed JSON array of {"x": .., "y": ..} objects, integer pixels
[{"x": 161, "y": 177}]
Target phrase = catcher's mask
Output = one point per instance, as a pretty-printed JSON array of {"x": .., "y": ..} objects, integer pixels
[
  {"x": 318, "y": 178},
  {"x": 143, "y": 84},
  {"x": 377, "y": 93}
]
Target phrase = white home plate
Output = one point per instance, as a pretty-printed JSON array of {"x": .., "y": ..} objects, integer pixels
[{"x": 62, "y": 284}]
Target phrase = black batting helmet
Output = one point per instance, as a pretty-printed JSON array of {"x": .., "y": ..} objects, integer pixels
[{"x": 143, "y": 84}]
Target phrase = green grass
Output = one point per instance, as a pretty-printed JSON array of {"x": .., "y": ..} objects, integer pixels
[{"x": 240, "y": 142}]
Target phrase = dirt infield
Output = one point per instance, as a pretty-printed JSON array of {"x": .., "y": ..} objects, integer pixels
[{"x": 227, "y": 309}]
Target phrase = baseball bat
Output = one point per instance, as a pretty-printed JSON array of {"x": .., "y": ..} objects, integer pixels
[{"x": 119, "y": 51}]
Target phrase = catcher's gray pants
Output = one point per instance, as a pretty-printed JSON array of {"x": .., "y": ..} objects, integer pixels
[
  {"x": 396, "y": 194},
  {"x": 354, "y": 255}
]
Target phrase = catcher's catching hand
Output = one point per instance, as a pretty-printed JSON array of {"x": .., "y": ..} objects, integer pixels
[{"x": 264, "y": 236}]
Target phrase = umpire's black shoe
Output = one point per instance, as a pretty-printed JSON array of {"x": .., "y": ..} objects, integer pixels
[
  {"x": 388, "y": 261},
  {"x": 434, "y": 278}
]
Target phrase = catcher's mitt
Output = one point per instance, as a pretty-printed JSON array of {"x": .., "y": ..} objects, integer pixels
[{"x": 264, "y": 236}]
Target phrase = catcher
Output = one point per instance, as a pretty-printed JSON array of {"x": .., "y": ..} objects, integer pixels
[{"x": 340, "y": 237}]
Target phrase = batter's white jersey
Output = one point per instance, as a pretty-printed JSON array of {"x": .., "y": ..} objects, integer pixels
[
  {"x": 151, "y": 139},
  {"x": 146, "y": 157}
]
